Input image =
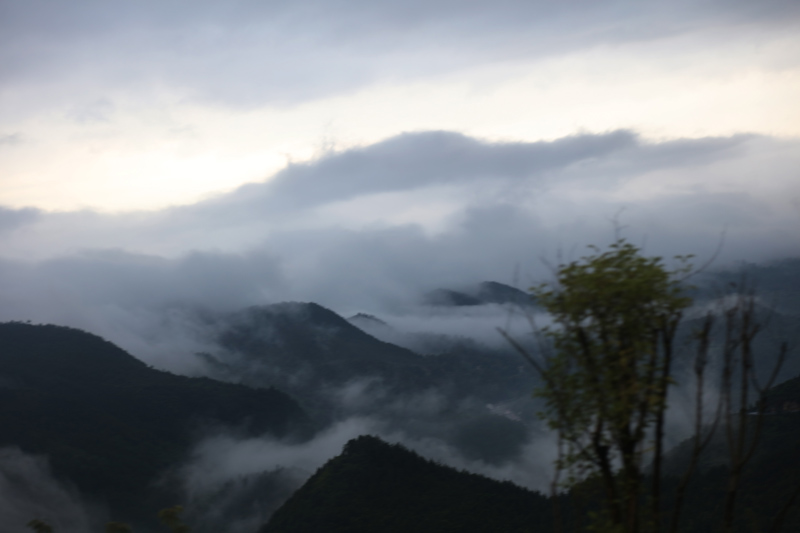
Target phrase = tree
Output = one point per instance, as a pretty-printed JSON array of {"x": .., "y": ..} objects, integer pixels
[
  {"x": 739, "y": 386},
  {"x": 40, "y": 526},
  {"x": 171, "y": 517},
  {"x": 606, "y": 362},
  {"x": 606, "y": 371}
]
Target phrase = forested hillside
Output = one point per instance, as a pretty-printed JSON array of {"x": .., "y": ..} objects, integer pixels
[
  {"x": 305, "y": 348},
  {"x": 113, "y": 426},
  {"x": 378, "y": 487},
  {"x": 337, "y": 370},
  {"x": 110, "y": 424}
]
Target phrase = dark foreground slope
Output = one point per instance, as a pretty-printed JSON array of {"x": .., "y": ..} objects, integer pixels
[
  {"x": 110, "y": 424},
  {"x": 770, "y": 481},
  {"x": 377, "y": 487}
]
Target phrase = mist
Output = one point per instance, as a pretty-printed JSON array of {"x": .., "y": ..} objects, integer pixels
[
  {"x": 29, "y": 491},
  {"x": 382, "y": 225},
  {"x": 222, "y": 466}
]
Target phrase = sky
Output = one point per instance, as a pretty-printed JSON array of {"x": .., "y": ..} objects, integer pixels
[{"x": 159, "y": 155}]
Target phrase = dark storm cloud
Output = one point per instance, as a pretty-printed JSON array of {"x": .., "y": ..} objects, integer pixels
[
  {"x": 259, "y": 52},
  {"x": 480, "y": 177},
  {"x": 417, "y": 160},
  {"x": 409, "y": 164}
]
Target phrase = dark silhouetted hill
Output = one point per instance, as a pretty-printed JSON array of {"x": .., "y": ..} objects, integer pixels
[
  {"x": 378, "y": 487},
  {"x": 109, "y": 423}
]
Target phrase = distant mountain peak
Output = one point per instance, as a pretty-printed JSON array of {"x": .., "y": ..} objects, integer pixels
[
  {"x": 364, "y": 320},
  {"x": 486, "y": 292}
]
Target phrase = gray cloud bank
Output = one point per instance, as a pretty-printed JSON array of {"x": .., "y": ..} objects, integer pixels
[
  {"x": 275, "y": 51},
  {"x": 370, "y": 229}
]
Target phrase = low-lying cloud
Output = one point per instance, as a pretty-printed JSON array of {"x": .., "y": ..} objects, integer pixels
[
  {"x": 223, "y": 461},
  {"x": 372, "y": 229}
]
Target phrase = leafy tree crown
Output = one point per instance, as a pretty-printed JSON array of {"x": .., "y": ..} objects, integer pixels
[{"x": 605, "y": 376}]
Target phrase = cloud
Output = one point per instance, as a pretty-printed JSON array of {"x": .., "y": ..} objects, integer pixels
[
  {"x": 163, "y": 102},
  {"x": 371, "y": 229},
  {"x": 430, "y": 330},
  {"x": 29, "y": 491},
  {"x": 439, "y": 171},
  {"x": 97, "y": 111},
  {"x": 439, "y": 157},
  {"x": 13, "y": 218},
  {"x": 247, "y": 52},
  {"x": 147, "y": 304},
  {"x": 222, "y": 458},
  {"x": 225, "y": 462},
  {"x": 10, "y": 139}
]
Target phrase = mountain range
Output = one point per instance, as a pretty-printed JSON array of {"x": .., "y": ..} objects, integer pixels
[{"x": 124, "y": 434}]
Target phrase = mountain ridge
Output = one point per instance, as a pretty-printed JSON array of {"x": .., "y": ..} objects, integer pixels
[{"x": 108, "y": 422}]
